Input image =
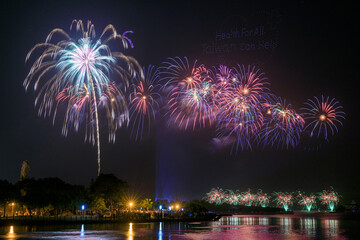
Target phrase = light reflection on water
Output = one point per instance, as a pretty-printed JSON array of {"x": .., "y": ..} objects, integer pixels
[
  {"x": 263, "y": 221},
  {"x": 331, "y": 227},
  {"x": 285, "y": 224},
  {"x": 82, "y": 231},
  {"x": 130, "y": 234},
  {"x": 308, "y": 226},
  {"x": 234, "y": 227},
  {"x": 160, "y": 231}
]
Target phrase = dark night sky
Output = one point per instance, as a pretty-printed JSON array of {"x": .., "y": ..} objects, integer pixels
[{"x": 316, "y": 54}]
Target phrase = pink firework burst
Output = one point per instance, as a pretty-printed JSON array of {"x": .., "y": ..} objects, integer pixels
[
  {"x": 262, "y": 199},
  {"x": 144, "y": 102},
  {"x": 240, "y": 106},
  {"x": 329, "y": 198},
  {"x": 284, "y": 200},
  {"x": 308, "y": 201},
  {"x": 190, "y": 103},
  {"x": 248, "y": 198},
  {"x": 215, "y": 196}
]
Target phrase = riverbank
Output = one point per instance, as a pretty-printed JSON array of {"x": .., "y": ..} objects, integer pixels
[{"x": 82, "y": 220}]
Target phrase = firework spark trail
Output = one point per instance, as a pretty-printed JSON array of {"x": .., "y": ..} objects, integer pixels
[
  {"x": 282, "y": 126},
  {"x": 97, "y": 121},
  {"x": 176, "y": 69},
  {"x": 129, "y": 40},
  {"x": 221, "y": 76},
  {"x": 81, "y": 64},
  {"x": 79, "y": 102},
  {"x": 145, "y": 101}
]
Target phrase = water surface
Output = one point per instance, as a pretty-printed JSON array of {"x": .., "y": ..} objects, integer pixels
[{"x": 234, "y": 227}]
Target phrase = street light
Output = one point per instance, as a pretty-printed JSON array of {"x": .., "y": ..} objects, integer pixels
[
  {"x": 12, "y": 208},
  {"x": 130, "y": 205},
  {"x": 161, "y": 212},
  {"x": 82, "y": 209}
]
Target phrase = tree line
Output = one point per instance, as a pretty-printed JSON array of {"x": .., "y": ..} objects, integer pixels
[{"x": 53, "y": 196}]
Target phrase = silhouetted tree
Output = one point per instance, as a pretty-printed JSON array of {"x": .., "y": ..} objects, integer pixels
[
  {"x": 98, "y": 204},
  {"x": 42, "y": 193},
  {"x": 146, "y": 204},
  {"x": 31, "y": 194},
  {"x": 195, "y": 207},
  {"x": 8, "y": 194},
  {"x": 110, "y": 188}
]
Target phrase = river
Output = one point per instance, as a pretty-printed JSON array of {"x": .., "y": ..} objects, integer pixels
[{"x": 232, "y": 227}]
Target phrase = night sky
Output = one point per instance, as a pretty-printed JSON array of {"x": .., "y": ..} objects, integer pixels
[{"x": 311, "y": 51}]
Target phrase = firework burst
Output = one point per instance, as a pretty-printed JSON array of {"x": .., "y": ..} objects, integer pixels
[
  {"x": 329, "y": 198},
  {"x": 309, "y": 201},
  {"x": 222, "y": 78},
  {"x": 191, "y": 96},
  {"x": 262, "y": 199},
  {"x": 323, "y": 116},
  {"x": 175, "y": 70},
  {"x": 284, "y": 200},
  {"x": 232, "y": 197},
  {"x": 81, "y": 66},
  {"x": 282, "y": 125},
  {"x": 216, "y": 196},
  {"x": 145, "y": 101},
  {"x": 248, "y": 198},
  {"x": 240, "y": 106}
]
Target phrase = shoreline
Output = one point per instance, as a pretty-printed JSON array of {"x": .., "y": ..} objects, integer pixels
[
  {"x": 91, "y": 220},
  {"x": 207, "y": 217}
]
